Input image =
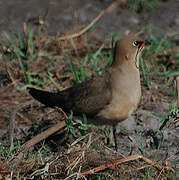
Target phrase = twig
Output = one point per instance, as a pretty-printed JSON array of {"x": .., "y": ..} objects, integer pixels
[
  {"x": 37, "y": 139},
  {"x": 120, "y": 161},
  {"x": 172, "y": 156},
  {"x": 8, "y": 67},
  {"x": 43, "y": 135},
  {"x": 12, "y": 120},
  {"x": 108, "y": 9},
  {"x": 83, "y": 30},
  {"x": 61, "y": 111},
  {"x": 24, "y": 118},
  {"x": 170, "y": 34},
  {"x": 173, "y": 124},
  {"x": 10, "y": 75}
]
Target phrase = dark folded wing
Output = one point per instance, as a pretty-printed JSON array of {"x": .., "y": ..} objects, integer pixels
[{"x": 88, "y": 97}]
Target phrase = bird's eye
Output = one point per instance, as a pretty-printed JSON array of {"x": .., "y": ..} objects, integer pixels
[{"x": 136, "y": 43}]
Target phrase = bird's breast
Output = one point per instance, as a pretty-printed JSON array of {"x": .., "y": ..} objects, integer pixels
[{"x": 126, "y": 93}]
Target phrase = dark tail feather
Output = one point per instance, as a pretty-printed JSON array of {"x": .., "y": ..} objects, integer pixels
[{"x": 47, "y": 98}]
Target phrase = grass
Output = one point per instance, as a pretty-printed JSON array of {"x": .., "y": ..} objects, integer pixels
[
  {"x": 79, "y": 75},
  {"x": 96, "y": 58},
  {"x": 26, "y": 49},
  {"x": 6, "y": 153},
  {"x": 152, "y": 64},
  {"x": 170, "y": 118},
  {"x": 53, "y": 81},
  {"x": 37, "y": 62},
  {"x": 144, "y": 5},
  {"x": 23, "y": 50},
  {"x": 145, "y": 73}
]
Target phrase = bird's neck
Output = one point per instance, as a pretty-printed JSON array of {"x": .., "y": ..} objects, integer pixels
[
  {"x": 125, "y": 73},
  {"x": 124, "y": 64},
  {"x": 125, "y": 80}
]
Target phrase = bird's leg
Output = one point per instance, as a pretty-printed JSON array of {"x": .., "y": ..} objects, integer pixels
[{"x": 114, "y": 136}]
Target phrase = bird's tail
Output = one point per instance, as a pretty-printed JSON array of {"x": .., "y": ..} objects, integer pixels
[{"x": 47, "y": 98}]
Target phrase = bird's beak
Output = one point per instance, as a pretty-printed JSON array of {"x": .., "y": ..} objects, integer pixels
[{"x": 145, "y": 43}]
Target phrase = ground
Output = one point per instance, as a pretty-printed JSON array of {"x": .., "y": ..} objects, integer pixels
[{"x": 40, "y": 58}]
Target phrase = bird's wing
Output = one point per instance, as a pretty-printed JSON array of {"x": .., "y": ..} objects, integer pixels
[{"x": 88, "y": 97}]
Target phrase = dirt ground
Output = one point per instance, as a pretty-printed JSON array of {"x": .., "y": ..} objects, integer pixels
[
  {"x": 136, "y": 135},
  {"x": 65, "y": 16}
]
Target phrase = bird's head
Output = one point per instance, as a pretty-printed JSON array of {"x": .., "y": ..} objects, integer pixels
[{"x": 128, "y": 49}]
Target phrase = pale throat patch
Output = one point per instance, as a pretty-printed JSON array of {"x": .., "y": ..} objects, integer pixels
[{"x": 137, "y": 57}]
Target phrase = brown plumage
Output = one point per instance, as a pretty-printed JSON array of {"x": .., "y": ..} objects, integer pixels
[{"x": 109, "y": 98}]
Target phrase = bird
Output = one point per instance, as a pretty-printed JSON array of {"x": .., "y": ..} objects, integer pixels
[{"x": 105, "y": 99}]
